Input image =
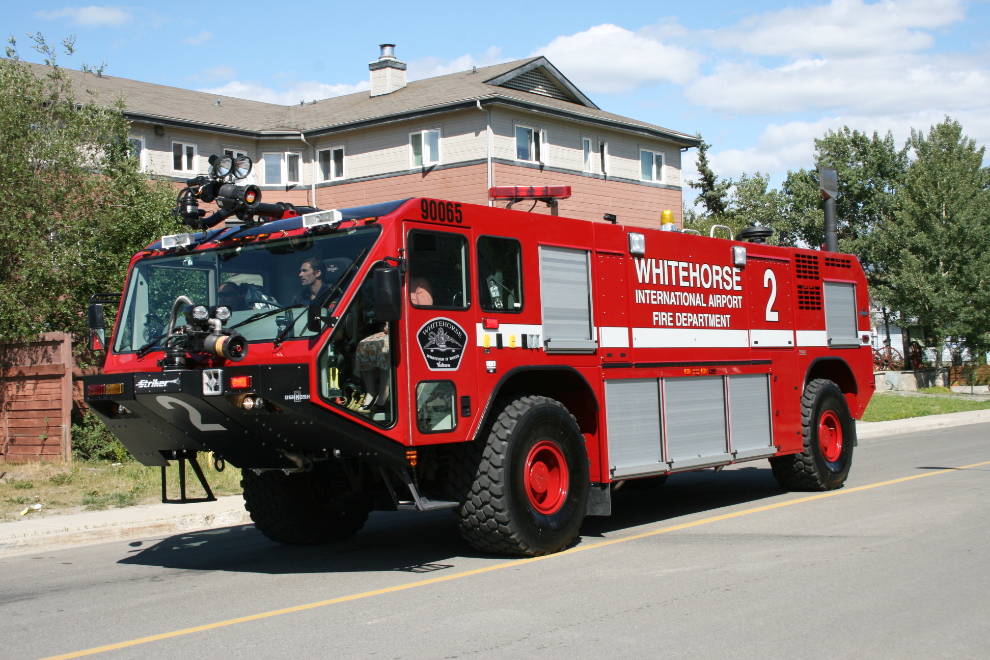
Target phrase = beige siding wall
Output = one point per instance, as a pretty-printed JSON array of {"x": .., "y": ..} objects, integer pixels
[
  {"x": 385, "y": 149},
  {"x": 566, "y": 148}
]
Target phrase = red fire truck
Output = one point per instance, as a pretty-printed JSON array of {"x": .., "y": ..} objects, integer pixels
[{"x": 511, "y": 366}]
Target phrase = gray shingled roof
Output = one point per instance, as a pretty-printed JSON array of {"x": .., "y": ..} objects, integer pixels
[{"x": 174, "y": 106}]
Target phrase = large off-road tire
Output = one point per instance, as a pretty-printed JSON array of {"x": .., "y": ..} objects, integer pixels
[
  {"x": 525, "y": 491},
  {"x": 829, "y": 433},
  {"x": 302, "y": 508}
]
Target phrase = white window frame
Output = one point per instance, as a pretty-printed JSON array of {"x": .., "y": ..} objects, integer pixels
[
  {"x": 587, "y": 155},
  {"x": 283, "y": 164},
  {"x": 658, "y": 177},
  {"x": 604, "y": 156},
  {"x": 538, "y": 133},
  {"x": 422, "y": 134},
  {"x": 343, "y": 162},
  {"x": 195, "y": 163},
  {"x": 143, "y": 156}
]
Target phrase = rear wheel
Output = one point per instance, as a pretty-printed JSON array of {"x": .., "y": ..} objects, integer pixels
[
  {"x": 526, "y": 491},
  {"x": 829, "y": 433},
  {"x": 305, "y": 508}
]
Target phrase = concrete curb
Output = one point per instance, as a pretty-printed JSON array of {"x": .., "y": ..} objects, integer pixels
[
  {"x": 915, "y": 424},
  {"x": 55, "y": 532}
]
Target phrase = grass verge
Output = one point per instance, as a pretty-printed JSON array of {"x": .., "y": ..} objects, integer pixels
[
  {"x": 93, "y": 486},
  {"x": 886, "y": 407}
]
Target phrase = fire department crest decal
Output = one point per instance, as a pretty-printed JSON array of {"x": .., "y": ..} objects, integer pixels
[{"x": 442, "y": 342}]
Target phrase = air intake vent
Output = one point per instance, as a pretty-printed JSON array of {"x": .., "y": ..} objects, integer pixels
[
  {"x": 806, "y": 266},
  {"x": 535, "y": 82},
  {"x": 809, "y": 297},
  {"x": 838, "y": 262}
]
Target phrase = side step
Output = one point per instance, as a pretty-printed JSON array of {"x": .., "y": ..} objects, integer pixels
[
  {"x": 182, "y": 457},
  {"x": 419, "y": 502}
]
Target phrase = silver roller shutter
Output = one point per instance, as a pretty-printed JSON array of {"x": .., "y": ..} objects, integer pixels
[
  {"x": 565, "y": 289},
  {"x": 632, "y": 410},
  {"x": 749, "y": 415},
  {"x": 840, "y": 314},
  {"x": 694, "y": 409}
]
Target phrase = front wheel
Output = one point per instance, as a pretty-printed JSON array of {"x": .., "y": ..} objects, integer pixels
[
  {"x": 526, "y": 492},
  {"x": 829, "y": 433}
]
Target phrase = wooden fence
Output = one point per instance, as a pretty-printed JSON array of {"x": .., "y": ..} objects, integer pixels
[{"x": 36, "y": 399}]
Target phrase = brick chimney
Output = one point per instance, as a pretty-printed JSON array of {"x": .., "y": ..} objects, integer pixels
[{"x": 387, "y": 73}]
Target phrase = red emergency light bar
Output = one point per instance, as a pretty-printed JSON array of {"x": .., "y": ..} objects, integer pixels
[{"x": 529, "y": 192}]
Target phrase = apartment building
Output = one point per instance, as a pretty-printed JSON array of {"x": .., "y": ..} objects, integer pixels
[{"x": 451, "y": 137}]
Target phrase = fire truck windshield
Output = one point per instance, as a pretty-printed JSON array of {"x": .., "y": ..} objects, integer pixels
[{"x": 278, "y": 276}]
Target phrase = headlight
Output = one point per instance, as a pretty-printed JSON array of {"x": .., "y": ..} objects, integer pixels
[
  {"x": 247, "y": 403},
  {"x": 222, "y": 166},
  {"x": 222, "y": 313},
  {"x": 200, "y": 313},
  {"x": 242, "y": 167}
]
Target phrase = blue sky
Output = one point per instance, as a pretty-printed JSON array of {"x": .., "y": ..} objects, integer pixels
[{"x": 759, "y": 80}]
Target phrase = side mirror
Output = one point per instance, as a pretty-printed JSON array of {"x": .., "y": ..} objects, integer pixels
[
  {"x": 97, "y": 327},
  {"x": 388, "y": 294},
  {"x": 315, "y": 318}
]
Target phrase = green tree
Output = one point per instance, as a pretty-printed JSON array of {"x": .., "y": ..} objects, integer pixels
[
  {"x": 74, "y": 204},
  {"x": 870, "y": 169},
  {"x": 714, "y": 192},
  {"x": 937, "y": 243}
]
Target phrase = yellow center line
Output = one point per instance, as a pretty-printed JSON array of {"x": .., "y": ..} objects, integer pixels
[{"x": 495, "y": 567}]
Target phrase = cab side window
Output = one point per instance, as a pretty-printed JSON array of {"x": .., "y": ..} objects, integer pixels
[
  {"x": 438, "y": 270},
  {"x": 500, "y": 278}
]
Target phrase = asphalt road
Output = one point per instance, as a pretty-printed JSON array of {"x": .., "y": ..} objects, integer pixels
[{"x": 710, "y": 565}]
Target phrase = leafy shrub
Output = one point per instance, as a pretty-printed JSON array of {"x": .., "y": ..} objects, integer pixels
[{"x": 92, "y": 441}]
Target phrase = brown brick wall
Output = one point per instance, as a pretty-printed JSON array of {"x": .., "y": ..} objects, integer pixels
[
  {"x": 462, "y": 184},
  {"x": 591, "y": 198}
]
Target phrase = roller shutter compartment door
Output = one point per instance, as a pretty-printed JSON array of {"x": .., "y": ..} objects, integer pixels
[
  {"x": 632, "y": 410},
  {"x": 749, "y": 416},
  {"x": 565, "y": 290},
  {"x": 840, "y": 315},
  {"x": 694, "y": 413}
]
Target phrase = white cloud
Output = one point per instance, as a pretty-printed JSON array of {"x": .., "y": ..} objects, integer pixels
[
  {"x": 300, "y": 91},
  {"x": 430, "y": 67},
  {"x": 199, "y": 39},
  {"x": 91, "y": 16},
  {"x": 875, "y": 84},
  {"x": 609, "y": 59},
  {"x": 843, "y": 27}
]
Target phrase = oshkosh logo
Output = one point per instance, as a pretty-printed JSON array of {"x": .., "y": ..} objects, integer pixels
[{"x": 297, "y": 396}]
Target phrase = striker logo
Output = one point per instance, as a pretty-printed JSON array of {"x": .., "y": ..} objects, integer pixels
[
  {"x": 145, "y": 384},
  {"x": 442, "y": 342}
]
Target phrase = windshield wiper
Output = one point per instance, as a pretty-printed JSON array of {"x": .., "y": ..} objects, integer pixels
[
  {"x": 323, "y": 297},
  {"x": 147, "y": 347},
  {"x": 264, "y": 315}
]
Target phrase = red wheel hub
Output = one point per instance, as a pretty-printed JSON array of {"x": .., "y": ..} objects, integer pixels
[
  {"x": 830, "y": 436},
  {"x": 545, "y": 478}
]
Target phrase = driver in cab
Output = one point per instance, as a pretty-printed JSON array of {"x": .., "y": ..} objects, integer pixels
[{"x": 311, "y": 278}]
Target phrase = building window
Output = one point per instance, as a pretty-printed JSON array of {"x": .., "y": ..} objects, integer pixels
[
  {"x": 588, "y": 163},
  {"x": 651, "y": 165},
  {"x": 293, "y": 168},
  {"x": 183, "y": 157},
  {"x": 424, "y": 148},
  {"x": 332, "y": 164},
  {"x": 138, "y": 151},
  {"x": 603, "y": 154},
  {"x": 531, "y": 144},
  {"x": 274, "y": 176}
]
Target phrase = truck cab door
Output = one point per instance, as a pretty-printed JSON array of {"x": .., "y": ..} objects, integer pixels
[{"x": 440, "y": 329}]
